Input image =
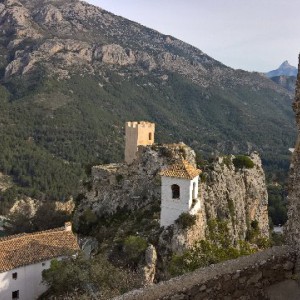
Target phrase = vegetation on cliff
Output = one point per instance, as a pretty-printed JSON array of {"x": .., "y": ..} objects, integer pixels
[
  {"x": 216, "y": 248},
  {"x": 82, "y": 278}
]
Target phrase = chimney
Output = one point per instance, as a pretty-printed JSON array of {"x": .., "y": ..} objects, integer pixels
[{"x": 68, "y": 226}]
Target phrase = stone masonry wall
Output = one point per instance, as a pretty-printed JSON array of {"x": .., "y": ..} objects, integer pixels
[{"x": 244, "y": 278}]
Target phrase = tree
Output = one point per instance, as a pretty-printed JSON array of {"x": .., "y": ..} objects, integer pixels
[{"x": 85, "y": 277}]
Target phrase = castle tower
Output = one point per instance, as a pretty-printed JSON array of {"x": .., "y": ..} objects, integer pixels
[
  {"x": 179, "y": 192},
  {"x": 137, "y": 134}
]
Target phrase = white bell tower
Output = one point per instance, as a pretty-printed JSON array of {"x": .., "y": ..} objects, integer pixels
[{"x": 179, "y": 192}]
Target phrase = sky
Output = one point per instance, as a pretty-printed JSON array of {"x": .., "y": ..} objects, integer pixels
[{"x": 254, "y": 35}]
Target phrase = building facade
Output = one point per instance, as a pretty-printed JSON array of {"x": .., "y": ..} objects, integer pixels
[
  {"x": 24, "y": 257},
  {"x": 137, "y": 134},
  {"x": 24, "y": 283},
  {"x": 179, "y": 192}
]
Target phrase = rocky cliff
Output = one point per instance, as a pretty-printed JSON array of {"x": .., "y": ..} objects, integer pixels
[
  {"x": 126, "y": 198},
  {"x": 131, "y": 187},
  {"x": 236, "y": 194}
]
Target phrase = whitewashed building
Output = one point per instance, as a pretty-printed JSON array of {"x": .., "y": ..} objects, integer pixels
[
  {"x": 23, "y": 258},
  {"x": 179, "y": 192}
]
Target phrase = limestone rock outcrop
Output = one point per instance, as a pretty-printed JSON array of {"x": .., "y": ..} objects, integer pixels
[
  {"x": 239, "y": 195},
  {"x": 149, "y": 270},
  {"x": 5, "y": 182},
  {"x": 30, "y": 206},
  {"x": 115, "y": 54},
  {"x": 131, "y": 187},
  {"x": 114, "y": 40},
  {"x": 235, "y": 195}
]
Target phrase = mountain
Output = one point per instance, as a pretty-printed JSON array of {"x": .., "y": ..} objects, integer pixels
[
  {"x": 71, "y": 74},
  {"x": 288, "y": 82},
  {"x": 284, "y": 69}
]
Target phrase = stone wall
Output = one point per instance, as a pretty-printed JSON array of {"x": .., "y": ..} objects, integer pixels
[{"x": 244, "y": 278}]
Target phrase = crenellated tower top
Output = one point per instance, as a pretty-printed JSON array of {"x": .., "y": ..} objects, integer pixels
[{"x": 137, "y": 134}]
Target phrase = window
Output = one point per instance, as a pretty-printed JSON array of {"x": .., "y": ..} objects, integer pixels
[
  {"x": 15, "y": 275},
  {"x": 43, "y": 264},
  {"x": 15, "y": 295},
  {"x": 175, "y": 191},
  {"x": 150, "y": 136}
]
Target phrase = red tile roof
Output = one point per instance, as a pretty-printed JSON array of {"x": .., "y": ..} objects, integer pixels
[
  {"x": 182, "y": 169},
  {"x": 26, "y": 249}
]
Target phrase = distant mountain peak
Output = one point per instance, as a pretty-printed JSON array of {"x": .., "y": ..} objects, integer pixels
[
  {"x": 285, "y": 64},
  {"x": 284, "y": 69}
]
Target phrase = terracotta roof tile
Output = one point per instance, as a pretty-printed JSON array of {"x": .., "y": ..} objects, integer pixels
[
  {"x": 25, "y": 249},
  {"x": 181, "y": 169}
]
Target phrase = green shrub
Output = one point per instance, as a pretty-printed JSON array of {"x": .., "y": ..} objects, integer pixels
[
  {"x": 134, "y": 247},
  {"x": 243, "y": 161},
  {"x": 201, "y": 161},
  {"x": 205, "y": 253},
  {"x": 165, "y": 152},
  {"x": 75, "y": 278},
  {"x": 263, "y": 243},
  {"x": 277, "y": 204},
  {"x": 227, "y": 161},
  {"x": 88, "y": 185},
  {"x": 252, "y": 234},
  {"x": 218, "y": 232},
  {"x": 86, "y": 221},
  {"x": 277, "y": 239},
  {"x": 119, "y": 178},
  {"x": 185, "y": 220},
  {"x": 203, "y": 177},
  {"x": 254, "y": 225}
]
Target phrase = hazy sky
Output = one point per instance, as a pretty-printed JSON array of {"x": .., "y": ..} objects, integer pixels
[{"x": 255, "y": 35}]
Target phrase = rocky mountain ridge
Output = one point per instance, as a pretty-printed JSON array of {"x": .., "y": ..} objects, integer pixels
[{"x": 56, "y": 32}]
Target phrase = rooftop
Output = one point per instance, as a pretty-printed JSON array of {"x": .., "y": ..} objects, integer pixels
[
  {"x": 182, "y": 169},
  {"x": 26, "y": 249}
]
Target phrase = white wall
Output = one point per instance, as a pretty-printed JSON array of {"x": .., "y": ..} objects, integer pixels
[
  {"x": 28, "y": 282},
  {"x": 171, "y": 209}
]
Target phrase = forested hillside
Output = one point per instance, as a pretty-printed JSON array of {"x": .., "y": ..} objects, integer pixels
[{"x": 71, "y": 74}]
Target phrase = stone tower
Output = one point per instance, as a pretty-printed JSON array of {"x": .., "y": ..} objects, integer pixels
[
  {"x": 179, "y": 192},
  {"x": 137, "y": 134},
  {"x": 293, "y": 223}
]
